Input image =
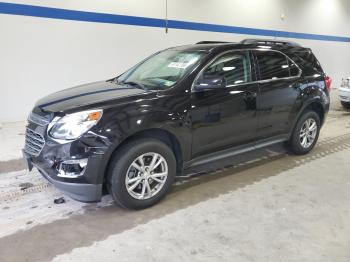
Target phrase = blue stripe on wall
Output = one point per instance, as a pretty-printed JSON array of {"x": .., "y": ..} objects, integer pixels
[{"x": 57, "y": 13}]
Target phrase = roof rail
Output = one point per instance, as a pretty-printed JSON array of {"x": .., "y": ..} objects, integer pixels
[
  {"x": 269, "y": 42},
  {"x": 212, "y": 42}
]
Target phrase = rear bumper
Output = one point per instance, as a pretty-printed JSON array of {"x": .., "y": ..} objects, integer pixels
[{"x": 344, "y": 94}]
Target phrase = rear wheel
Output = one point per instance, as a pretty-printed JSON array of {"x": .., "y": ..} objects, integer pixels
[
  {"x": 305, "y": 134},
  {"x": 141, "y": 173},
  {"x": 346, "y": 105}
]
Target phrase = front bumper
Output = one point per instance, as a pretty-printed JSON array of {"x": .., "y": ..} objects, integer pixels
[
  {"x": 78, "y": 191},
  {"x": 75, "y": 167},
  {"x": 344, "y": 94}
]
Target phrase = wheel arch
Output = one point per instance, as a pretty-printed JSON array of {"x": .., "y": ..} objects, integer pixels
[
  {"x": 162, "y": 135},
  {"x": 314, "y": 105},
  {"x": 317, "y": 107}
]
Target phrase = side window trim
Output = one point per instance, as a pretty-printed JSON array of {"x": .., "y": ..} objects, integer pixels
[
  {"x": 251, "y": 52},
  {"x": 282, "y": 78}
]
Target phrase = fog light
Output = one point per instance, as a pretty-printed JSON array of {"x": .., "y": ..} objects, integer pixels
[{"x": 72, "y": 168}]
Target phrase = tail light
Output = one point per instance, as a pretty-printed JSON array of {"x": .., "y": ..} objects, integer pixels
[{"x": 328, "y": 81}]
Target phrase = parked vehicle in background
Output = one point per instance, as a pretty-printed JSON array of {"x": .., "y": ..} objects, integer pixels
[
  {"x": 179, "y": 108},
  {"x": 344, "y": 93}
]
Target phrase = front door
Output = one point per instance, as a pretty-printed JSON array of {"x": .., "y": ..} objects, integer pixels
[{"x": 224, "y": 115}]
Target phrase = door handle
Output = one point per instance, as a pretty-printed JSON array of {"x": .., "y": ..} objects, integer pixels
[{"x": 250, "y": 100}]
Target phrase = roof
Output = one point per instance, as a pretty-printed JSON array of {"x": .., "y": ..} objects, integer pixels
[
  {"x": 201, "y": 47},
  {"x": 244, "y": 44},
  {"x": 269, "y": 42}
]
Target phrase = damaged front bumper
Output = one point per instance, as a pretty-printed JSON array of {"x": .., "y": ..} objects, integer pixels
[
  {"x": 75, "y": 167},
  {"x": 80, "y": 191}
]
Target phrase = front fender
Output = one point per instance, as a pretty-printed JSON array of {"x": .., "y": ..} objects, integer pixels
[{"x": 162, "y": 113}]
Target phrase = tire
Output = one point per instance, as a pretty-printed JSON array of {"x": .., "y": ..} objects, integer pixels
[
  {"x": 121, "y": 173},
  {"x": 296, "y": 141},
  {"x": 345, "y": 105}
]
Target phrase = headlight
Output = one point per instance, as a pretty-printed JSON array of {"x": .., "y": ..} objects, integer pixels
[{"x": 74, "y": 125}]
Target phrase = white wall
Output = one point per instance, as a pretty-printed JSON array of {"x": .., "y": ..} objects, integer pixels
[{"x": 39, "y": 56}]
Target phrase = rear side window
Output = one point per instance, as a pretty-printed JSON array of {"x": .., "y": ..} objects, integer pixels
[{"x": 272, "y": 65}]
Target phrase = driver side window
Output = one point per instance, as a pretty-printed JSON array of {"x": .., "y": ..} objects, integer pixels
[{"x": 233, "y": 67}]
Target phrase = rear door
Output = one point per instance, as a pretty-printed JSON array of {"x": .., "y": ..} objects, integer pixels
[{"x": 279, "y": 82}]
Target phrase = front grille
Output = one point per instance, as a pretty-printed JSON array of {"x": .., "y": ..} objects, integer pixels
[
  {"x": 34, "y": 142},
  {"x": 34, "y": 139}
]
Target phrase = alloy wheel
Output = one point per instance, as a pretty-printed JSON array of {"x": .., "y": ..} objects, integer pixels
[
  {"x": 308, "y": 133},
  {"x": 146, "y": 175}
]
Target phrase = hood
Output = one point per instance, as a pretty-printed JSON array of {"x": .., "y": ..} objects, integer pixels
[{"x": 84, "y": 95}]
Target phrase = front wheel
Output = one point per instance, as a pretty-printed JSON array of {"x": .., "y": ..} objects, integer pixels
[
  {"x": 141, "y": 173},
  {"x": 305, "y": 133}
]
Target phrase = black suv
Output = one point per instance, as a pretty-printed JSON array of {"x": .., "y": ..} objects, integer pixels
[{"x": 181, "y": 107}]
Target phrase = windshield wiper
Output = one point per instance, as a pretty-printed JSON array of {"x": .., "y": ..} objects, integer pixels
[{"x": 131, "y": 83}]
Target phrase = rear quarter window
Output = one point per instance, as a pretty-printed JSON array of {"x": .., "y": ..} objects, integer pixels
[{"x": 307, "y": 61}]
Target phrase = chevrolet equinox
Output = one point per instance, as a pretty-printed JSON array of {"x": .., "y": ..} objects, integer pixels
[{"x": 178, "y": 108}]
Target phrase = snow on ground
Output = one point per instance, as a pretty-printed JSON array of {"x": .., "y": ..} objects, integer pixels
[
  {"x": 27, "y": 199},
  {"x": 12, "y": 140}
]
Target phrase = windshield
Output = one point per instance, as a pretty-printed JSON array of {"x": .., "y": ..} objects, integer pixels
[{"x": 162, "y": 70}]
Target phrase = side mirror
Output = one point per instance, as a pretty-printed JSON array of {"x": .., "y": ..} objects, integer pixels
[{"x": 210, "y": 82}]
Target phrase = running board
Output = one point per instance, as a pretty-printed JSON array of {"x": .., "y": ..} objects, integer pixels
[{"x": 234, "y": 151}]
